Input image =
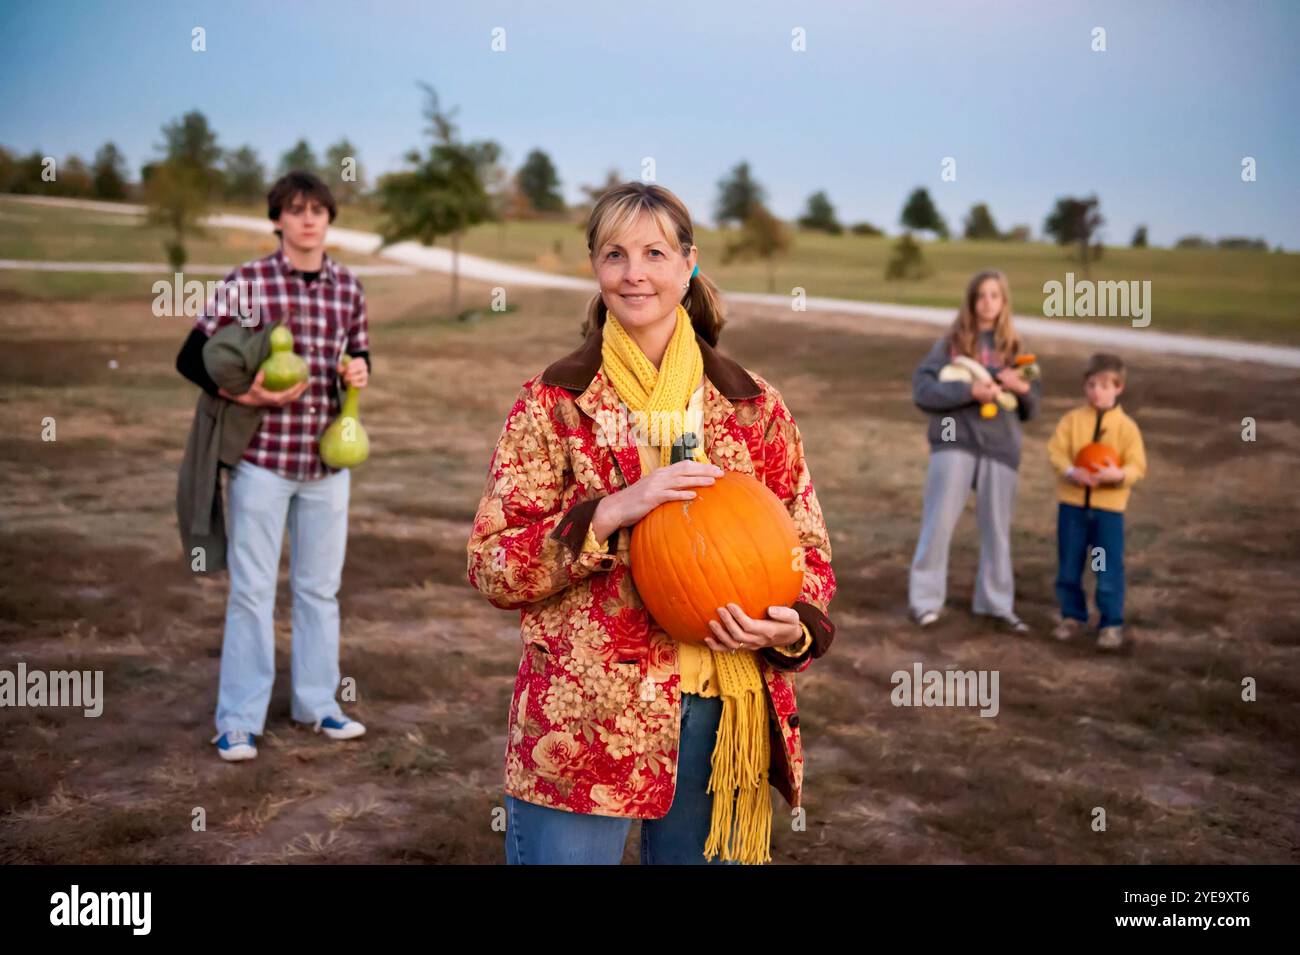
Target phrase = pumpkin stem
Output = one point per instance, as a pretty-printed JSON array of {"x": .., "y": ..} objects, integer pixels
[{"x": 684, "y": 447}]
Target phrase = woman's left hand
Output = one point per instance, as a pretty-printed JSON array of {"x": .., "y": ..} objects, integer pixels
[
  {"x": 1011, "y": 380},
  {"x": 738, "y": 631}
]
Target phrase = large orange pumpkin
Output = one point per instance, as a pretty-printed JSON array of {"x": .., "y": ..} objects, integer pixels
[
  {"x": 733, "y": 543},
  {"x": 1096, "y": 456}
]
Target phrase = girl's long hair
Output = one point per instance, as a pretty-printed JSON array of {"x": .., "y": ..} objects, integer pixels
[
  {"x": 615, "y": 211},
  {"x": 964, "y": 334}
]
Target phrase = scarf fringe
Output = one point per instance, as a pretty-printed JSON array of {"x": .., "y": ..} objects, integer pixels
[{"x": 741, "y": 825}]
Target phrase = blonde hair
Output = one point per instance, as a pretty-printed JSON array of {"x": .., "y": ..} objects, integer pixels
[
  {"x": 615, "y": 212},
  {"x": 965, "y": 327}
]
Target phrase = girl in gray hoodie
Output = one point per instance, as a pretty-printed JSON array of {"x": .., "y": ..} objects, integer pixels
[{"x": 972, "y": 448}]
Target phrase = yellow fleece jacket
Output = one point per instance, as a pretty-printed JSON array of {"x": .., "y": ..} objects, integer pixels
[{"x": 1121, "y": 432}]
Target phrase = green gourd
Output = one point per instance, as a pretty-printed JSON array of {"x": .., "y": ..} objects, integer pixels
[
  {"x": 282, "y": 368},
  {"x": 345, "y": 443}
]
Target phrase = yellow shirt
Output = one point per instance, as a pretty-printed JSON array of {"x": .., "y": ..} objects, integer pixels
[
  {"x": 695, "y": 660},
  {"x": 1120, "y": 432}
]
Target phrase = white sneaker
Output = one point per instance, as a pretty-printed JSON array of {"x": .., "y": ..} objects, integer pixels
[
  {"x": 235, "y": 746},
  {"x": 340, "y": 727},
  {"x": 927, "y": 618},
  {"x": 1111, "y": 638}
]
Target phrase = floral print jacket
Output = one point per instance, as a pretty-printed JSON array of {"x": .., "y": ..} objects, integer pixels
[{"x": 593, "y": 725}]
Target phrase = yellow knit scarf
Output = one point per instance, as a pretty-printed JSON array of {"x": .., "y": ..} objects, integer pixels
[{"x": 741, "y": 826}]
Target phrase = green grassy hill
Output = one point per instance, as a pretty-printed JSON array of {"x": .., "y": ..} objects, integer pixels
[{"x": 1234, "y": 294}]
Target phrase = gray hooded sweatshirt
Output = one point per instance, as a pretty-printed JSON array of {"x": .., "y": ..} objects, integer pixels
[{"x": 997, "y": 438}]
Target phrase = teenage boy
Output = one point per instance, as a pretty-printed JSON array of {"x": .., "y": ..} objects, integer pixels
[
  {"x": 281, "y": 480},
  {"x": 1090, "y": 515}
]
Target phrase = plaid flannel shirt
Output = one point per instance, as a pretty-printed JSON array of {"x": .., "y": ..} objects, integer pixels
[{"x": 326, "y": 318}]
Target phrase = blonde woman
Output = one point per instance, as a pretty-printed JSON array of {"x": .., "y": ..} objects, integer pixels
[
  {"x": 972, "y": 448},
  {"x": 611, "y": 720}
]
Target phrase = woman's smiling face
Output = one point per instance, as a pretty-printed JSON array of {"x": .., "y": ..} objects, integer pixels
[{"x": 642, "y": 274}]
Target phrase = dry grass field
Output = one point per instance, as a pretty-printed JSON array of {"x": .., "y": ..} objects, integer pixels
[{"x": 92, "y": 576}]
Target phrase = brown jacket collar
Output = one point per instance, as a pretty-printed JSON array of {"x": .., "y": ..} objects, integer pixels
[{"x": 575, "y": 370}]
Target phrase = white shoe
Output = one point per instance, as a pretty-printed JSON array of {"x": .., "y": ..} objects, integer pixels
[
  {"x": 340, "y": 727},
  {"x": 927, "y": 618},
  {"x": 235, "y": 746}
]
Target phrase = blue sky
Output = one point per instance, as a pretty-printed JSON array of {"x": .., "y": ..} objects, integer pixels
[{"x": 1157, "y": 125}]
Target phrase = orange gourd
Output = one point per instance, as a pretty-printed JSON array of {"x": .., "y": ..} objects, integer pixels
[
  {"x": 1096, "y": 456},
  {"x": 733, "y": 543}
]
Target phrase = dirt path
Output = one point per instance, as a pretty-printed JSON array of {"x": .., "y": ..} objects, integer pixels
[{"x": 477, "y": 268}]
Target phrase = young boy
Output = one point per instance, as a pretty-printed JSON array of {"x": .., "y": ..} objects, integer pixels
[
  {"x": 1090, "y": 516},
  {"x": 281, "y": 479}
]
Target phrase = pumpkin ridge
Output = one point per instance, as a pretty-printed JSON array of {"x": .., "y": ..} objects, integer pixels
[
  {"x": 735, "y": 522},
  {"x": 702, "y": 614},
  {"x": 665, "y": 567}
]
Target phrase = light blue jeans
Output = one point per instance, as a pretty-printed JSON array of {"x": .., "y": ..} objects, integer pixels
[
  {"x": 540, "y": 835},
  {"x": 261, "y": 503},
  {"x": 948, "y": 482}
]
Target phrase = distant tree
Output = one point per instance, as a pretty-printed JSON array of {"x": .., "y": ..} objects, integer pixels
[
  {"x": 762, "y": 236},
  {"x": 302, "y": 158},
  {"x": 25, "y": 178},
  {"x": 8, "y": 170},
  {"x": 590, "y": 195},
  {"x": 515, "y": 202},
  {"x": 74, "y": 179},
  {"x": 1074, "y": 221},
  {"x": 245, "y": 176},
  {"x": 342, "y": 160},
  {"x": 190, "y": 143},
  {"x": 109, "y": 173},
  {"x": 919, "y": 213},
  {"x": 177, "y": 199},
  {"x": 1192, "y": 242},
  {"x": 864, "y": 228},
  {"x": 979, "y": 223},
  {"x": 819, "y": 216},
  {"x": 444, "y": 190},
  {"x": 1018, "y": 233},
  {"x": 737, "y": 192},
  {"x": 907, "y": 262},
  {"x": 1242, "y": 243},
  {"x": 539, "y": 181},
  {"x": 1139, "y": 238}
]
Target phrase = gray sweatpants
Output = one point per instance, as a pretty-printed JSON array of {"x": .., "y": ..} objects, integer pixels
[{"x": 948, "y": 482}]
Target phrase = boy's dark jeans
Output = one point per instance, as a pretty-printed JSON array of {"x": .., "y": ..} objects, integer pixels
[{"x": 1078, "y": 532}]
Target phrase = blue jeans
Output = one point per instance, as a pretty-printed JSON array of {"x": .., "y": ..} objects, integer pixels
[
  {"x": 261, "y": 503},
  {"x": 540, "y": 835},
  {"x": 1078, "y": 531}
]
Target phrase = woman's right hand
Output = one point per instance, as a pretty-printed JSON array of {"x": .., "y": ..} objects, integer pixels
[
  {"x": 671, "y": 483},
  {"x": 985, "y": 391}
]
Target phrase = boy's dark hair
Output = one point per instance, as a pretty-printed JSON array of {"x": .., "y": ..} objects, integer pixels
[
  {"x": 1103, "y": 363},
  {"x": 296, "y": 183}
]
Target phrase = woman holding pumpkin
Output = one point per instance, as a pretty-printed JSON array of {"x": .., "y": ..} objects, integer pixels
[
  {"x": 612, "y": 720},
  {"x": 977, "y": 397}
]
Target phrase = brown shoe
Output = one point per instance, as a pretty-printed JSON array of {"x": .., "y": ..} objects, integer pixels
[
  {"x": 1067, "y": 629},
  {"x": 1111, "y": 638}
]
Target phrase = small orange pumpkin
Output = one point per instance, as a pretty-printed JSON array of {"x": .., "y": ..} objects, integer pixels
[
  {"x": 1096, "y": 456},
  {"x": 733, "y": 543}
]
